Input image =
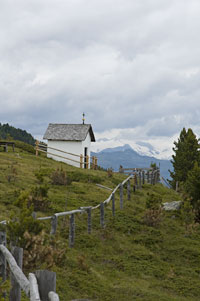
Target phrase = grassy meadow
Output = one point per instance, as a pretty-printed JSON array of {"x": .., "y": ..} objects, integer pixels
[{"x": 128, "y": 259}]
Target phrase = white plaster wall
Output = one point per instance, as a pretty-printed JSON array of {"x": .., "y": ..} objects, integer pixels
[{"x": 74, "y": 147}]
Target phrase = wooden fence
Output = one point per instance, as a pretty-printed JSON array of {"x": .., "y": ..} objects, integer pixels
[
  {"x": 40, "y": 286},
  {"x": 36, "y": 286},
  {"x": 79, "y": 159},
  {"x": 139, "y": 178}
]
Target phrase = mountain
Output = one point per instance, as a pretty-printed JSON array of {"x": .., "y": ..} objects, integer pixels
[{"x": 127, "y": 157}]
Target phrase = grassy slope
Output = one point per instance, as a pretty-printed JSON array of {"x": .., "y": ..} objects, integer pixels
[{"x": 127, "y": 260}]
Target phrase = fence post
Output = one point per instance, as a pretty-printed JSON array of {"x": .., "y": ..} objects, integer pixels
[
  {"x": 143, "y": 177},
  {"x": 147, "y": 177},
  {"x": 136, "y": 181},
  {"x": 2, "y": 258},
  {"x": 87, "y": 162},
  {"x": 102, "y": 214},
  {"x": 113, "y": 204},
  {"x": 140, "y": 180},
  {"x": 121, "y": 196},
  {"x": 128, "y": 190},
  {"x": 37, "y": 147},
  {"x": 34, "y": 290},
  {"x": 81, "y": 161},
  {"x": 89, "y": 212},
  {"x": 95, "y": 163},
  {"x": 54, "y": 222},
  {"x": 71, "y": 230},
  {"x": 151, "y": 177},
  {"x": 46, "y": 283},
  {"x": 15, "y": 292}
]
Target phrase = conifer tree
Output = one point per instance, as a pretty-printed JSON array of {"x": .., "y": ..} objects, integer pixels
[
  {"x": 186, "y": 154},
  {"x": 192, "y": 185}
]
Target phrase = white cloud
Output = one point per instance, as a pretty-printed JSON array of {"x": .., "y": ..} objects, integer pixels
[{"x": 131, "y": 65}]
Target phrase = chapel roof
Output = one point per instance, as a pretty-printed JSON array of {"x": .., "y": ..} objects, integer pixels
[{"x": 68, "y": 132}]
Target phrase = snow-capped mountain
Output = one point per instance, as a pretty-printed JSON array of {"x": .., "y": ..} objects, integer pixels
[
  {"x": 127, "y": 157},
  {"x": 154, "y": 149}
]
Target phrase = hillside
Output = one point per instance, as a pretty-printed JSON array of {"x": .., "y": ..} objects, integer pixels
[
  {"x": 7, "y": 131},
  {"x": 128, "y": 259},
  {"x": 127, "y": 157}
]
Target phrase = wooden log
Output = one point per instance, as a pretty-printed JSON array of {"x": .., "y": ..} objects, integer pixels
[
  {"x": 102, "y": 214},
  {"x": 121, "y": 196},
  {"x": 96, "y": 166},
  {"x": 140, "y": 180},
  {"x": 54, "y": 223},
  {"x": 68, "y": 212},
  {"x": 113, "y": 204},
  {"x": 71, "y": 230},
  {"x": 15, "y": 292},
  {"x": 17, "y": 272},
  {"x": 143, "y": 177},
  {"x": 34, "y": 291},
  {"x": 148, "y": 177},
  {"x": 136, "y": 181},
  {"x": 102, "y": 186},
  {"x": 46, "y": 283},
  {"x": 53, "y": 296},
  {"x": 2, "y": 257},
  {"x": 81, "y": 161},
  {"x": 128, "y": 190},
  {"x": 89, "y": 213}
]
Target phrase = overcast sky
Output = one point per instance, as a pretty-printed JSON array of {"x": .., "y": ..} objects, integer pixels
[{"x": 133, "y": 67}]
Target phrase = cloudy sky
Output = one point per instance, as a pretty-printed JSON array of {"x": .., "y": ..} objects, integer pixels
[{"x": 133, "y": 67}]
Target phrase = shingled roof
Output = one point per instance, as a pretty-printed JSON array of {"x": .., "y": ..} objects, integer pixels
[{"x": 68, "y": 132}]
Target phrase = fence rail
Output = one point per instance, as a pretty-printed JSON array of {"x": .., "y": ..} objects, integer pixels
[
  {"x": 37, "y": 287},
  {"x": 83, "y": 160},
  {"x": 33, "y": 287}
]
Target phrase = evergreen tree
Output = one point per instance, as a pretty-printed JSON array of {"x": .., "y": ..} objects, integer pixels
[
  {"x": 186, "y": 154},
  {"x": 192, "y": 185}
]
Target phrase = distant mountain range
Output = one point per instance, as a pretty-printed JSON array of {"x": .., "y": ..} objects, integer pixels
[{"x": 127, "y": 157}]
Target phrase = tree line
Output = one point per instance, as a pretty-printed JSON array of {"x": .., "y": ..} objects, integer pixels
[{"x": 9, "y": 132}]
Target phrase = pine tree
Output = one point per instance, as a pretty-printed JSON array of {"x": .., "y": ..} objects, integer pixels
[
  {"x": 192, "y": 185},
  {"x": 186, "y": 154}
]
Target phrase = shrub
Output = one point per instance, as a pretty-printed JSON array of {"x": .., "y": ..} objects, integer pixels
[
  {"x": 153, "y": 217},
  {"x": 59, "y": 177},
  {"x": 40, "y": 249},
  {"x": 37, "y": 198},
  {"x": 21, "y": 223},
  {"x": 153, "y": 214},
  {"x": 153, "y": 201},
  {"x": 110, "y": 172},
  {"x": 24, "y": 146}
]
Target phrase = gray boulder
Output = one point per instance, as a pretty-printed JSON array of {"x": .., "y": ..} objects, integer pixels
[{"x": 175, "y": 205}]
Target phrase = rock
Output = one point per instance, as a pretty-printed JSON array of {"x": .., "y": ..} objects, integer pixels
[{"x": 172, "y": 205}]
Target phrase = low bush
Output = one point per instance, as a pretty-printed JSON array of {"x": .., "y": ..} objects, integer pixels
[
  {"x": 37, "y": 198},
  {"x": 60, "y": 177},
  {"x": 153, "y": 214}
]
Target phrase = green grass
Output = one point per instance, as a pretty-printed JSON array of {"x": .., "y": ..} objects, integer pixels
[{"x": 127, "y": 260}]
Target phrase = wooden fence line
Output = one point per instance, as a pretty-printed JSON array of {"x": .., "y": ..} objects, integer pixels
[
  {"x": 139, "y": 179},
  {"x": 38, "y": 287},
  {"x": 83, "y": 160}
]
